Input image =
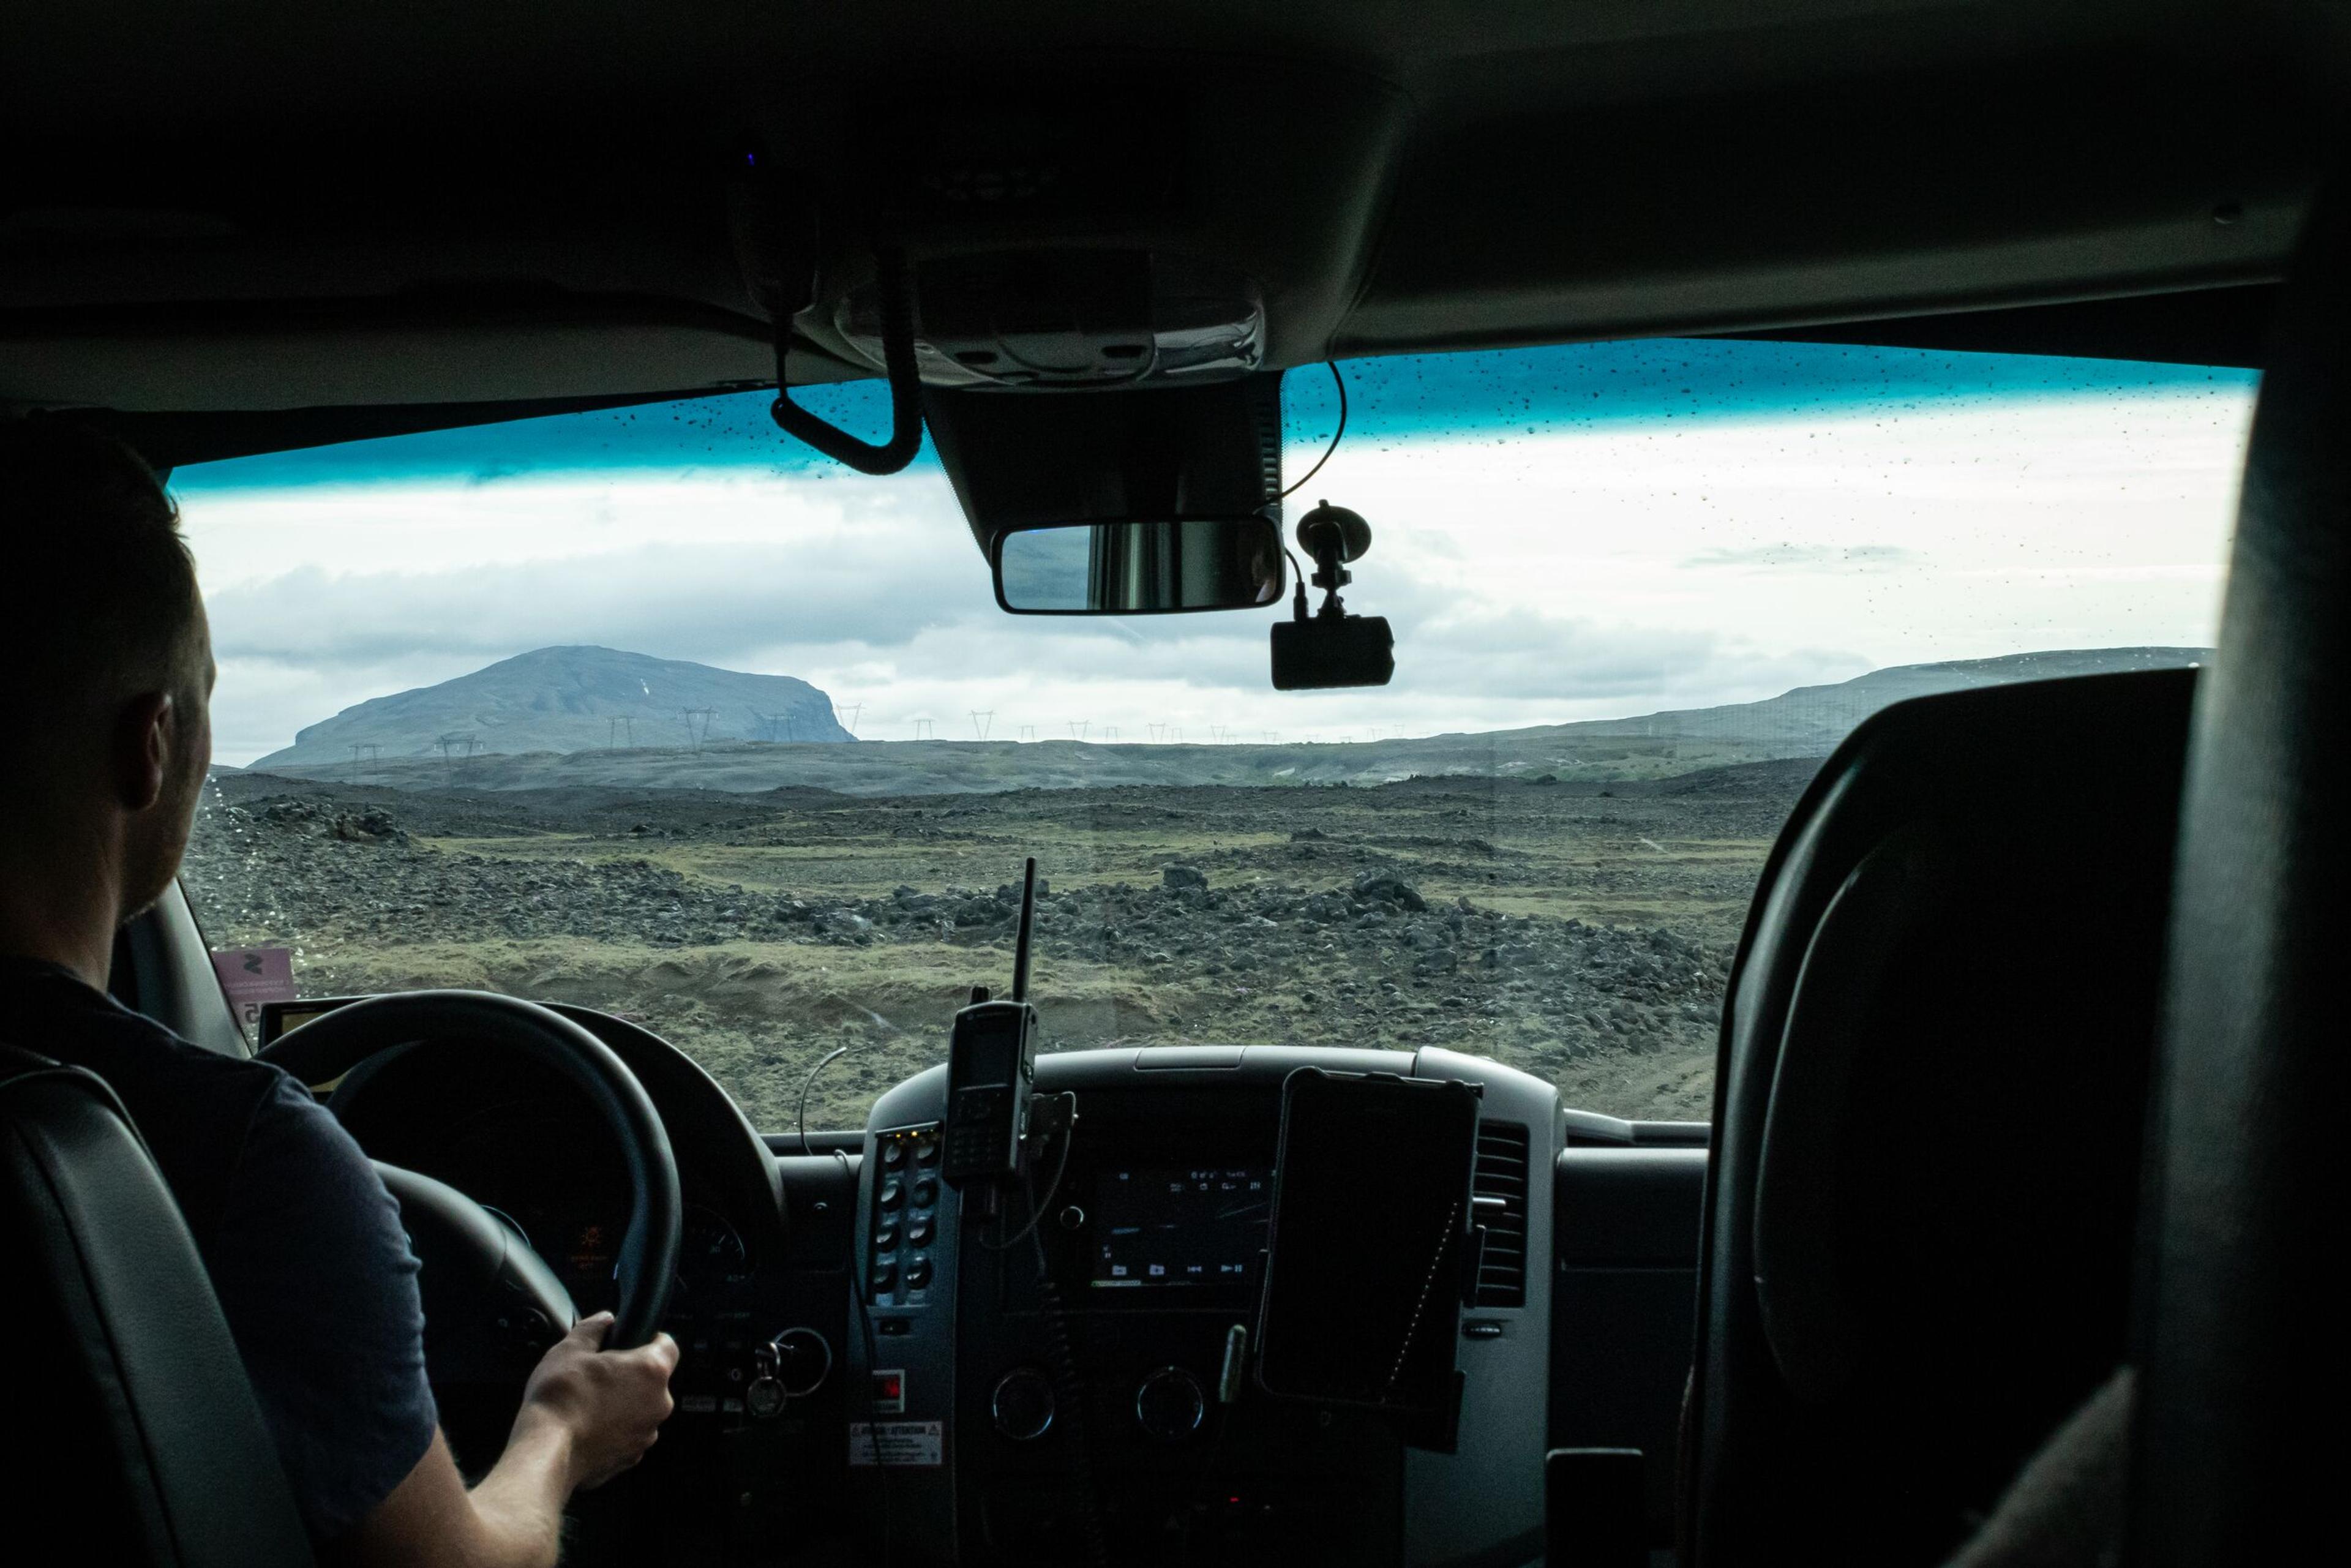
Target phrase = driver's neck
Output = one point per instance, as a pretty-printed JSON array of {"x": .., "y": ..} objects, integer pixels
[{"x": 59, "y": 897}]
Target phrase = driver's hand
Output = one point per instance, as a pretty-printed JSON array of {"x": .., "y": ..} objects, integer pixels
[{"x": 610, "y": 1403}]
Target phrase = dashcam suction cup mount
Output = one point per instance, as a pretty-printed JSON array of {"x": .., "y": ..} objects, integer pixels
[{"x": 1333, "y": 535}]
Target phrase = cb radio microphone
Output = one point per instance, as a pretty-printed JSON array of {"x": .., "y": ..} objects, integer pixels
[{"x": 992, "y": 1069}]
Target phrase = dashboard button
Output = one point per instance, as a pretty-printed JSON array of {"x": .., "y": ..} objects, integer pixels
[
  {"x": 893, "y": 1154},
  {"x": 918, "y": 1272},
  {"x": 926, "y": 1193},
  {"x": 926, "y": 1151},
  {"x": 1022, "y": 1404},
  {"x": 918, "y": 1232},
  {"x": 1169, "y": 1405},
  {"x": 893, "y": 1194},
  {"x": 885, "y": 1237},
  {"x": 884, "y": 1276}
]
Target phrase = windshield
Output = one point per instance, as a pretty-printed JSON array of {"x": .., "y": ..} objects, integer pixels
[{"x": 650, "y": 711}]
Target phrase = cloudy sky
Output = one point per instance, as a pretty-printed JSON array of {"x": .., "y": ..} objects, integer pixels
[{"x": 1559, "y": 534}]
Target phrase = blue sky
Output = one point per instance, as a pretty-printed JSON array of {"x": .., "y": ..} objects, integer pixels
[{"x": 1559, "y": 534}]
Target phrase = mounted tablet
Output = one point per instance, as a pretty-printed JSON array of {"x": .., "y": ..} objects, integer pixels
[{"x": 1372, "y": 1235}]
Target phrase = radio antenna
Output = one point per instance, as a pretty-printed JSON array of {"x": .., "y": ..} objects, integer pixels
[{"x": 1020, "y": 942}]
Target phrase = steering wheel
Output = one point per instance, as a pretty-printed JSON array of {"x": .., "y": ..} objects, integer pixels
[{"x": 487, "y": 1294}]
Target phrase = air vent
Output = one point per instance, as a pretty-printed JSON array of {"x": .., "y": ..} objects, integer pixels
[{"x": 1503, "y": 1173}]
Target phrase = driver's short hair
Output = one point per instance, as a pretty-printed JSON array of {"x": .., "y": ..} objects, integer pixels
[{"x": 98, "y": 591}]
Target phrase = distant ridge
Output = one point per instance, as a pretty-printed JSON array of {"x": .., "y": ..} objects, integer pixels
[
  {"x": 567, "y": 700},
  {"x": 1811, "y": 720},
  {"x": 1807, "y": 722}
]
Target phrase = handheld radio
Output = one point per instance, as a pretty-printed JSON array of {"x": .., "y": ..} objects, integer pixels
[{"x": 991, "y": 1069}]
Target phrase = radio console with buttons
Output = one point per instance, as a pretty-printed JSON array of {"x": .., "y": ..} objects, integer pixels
[{"x": 1083, "y": 1387}]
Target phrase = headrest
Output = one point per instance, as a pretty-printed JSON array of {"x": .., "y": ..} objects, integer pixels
[{"x": 1950, "y": 980}]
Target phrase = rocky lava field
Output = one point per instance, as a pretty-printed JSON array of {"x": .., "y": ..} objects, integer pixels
[{"x": 1580, "y": 931}]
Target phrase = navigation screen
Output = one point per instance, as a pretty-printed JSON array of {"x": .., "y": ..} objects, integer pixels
[{"x": 1179, "y": 1227}]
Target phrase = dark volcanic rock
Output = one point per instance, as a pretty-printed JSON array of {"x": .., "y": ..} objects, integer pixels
[
  {"x": 1387, "y": 887},
  {"x": 1374, "y": 941}
]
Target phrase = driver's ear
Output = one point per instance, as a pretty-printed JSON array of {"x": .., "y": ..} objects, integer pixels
[{"x": 140, "y": 759}]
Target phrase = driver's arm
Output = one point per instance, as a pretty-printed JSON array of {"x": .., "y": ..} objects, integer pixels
[{"x": 586, "y": 1414}]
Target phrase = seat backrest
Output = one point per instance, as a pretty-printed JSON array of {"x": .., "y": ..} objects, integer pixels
[
  {"x": 2242, "y": 1378},
  {"x": 1930, "y": 1106},
  {"x": 134, "y": 1433}
]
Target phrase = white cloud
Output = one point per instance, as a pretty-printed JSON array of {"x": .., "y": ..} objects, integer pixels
[{"x": 1528, "y": 581}]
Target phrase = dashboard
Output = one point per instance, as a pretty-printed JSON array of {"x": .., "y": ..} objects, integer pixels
[
  {"x": 971, "y": 1390},
  {"x": 1086, "y": 1395}
]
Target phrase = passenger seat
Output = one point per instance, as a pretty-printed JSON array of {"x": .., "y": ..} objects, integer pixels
[{"x": 1931, "y": 1106}]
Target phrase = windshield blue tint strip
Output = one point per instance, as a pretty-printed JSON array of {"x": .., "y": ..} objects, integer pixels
[{"x": 1501, "y": 395}]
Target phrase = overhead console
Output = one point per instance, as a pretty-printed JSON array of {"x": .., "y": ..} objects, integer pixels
[{"x": 1082, "y": 1363}]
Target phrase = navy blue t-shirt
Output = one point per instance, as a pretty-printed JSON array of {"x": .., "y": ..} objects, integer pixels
[{"x": 303, "y": 1243}]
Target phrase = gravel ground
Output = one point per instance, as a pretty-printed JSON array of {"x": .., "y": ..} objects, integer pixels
[{"x": 1580, "y": 933}]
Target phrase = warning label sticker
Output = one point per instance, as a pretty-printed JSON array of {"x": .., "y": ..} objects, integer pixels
[{"x": 897, "y": 1442}]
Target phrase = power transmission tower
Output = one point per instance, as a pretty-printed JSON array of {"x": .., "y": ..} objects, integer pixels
[
  {"x": 1078, "y": 728},
  {"x": 617, "y": 726},
  {"x": 923, "y": 729},
  {"x": 1175, "y": 733},
  {"x": 1109, "y": 732},
  {"x": 849, "y": 723},
  {"x": 1158, "y": 731},
  {"x": 359, "y": 747},
  {"x": 981, "y": 721},
  {"x": 1027, "y": 732},
  {"x": 452, "y": 748}
]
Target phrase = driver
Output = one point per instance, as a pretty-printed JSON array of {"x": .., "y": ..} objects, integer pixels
[{"x": 103, "y": 636}]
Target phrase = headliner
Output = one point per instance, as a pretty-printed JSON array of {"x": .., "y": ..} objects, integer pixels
[{"x": 294, "y": 207}]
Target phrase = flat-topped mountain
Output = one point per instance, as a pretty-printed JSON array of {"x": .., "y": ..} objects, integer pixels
[{"x": 568, "y": 700}]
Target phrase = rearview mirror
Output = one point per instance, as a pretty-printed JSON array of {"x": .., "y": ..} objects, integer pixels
[{"x": 1155, "y": 567}]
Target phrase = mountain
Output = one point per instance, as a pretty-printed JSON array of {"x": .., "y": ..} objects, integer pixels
[
  {"x": 1807, "y": 722},
  {"x": 1810, "y": 720},
  {"x": 566, "y": 700}
]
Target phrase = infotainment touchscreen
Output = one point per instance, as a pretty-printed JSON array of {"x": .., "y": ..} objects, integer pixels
[{"x": 1156, "y": 1228}]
